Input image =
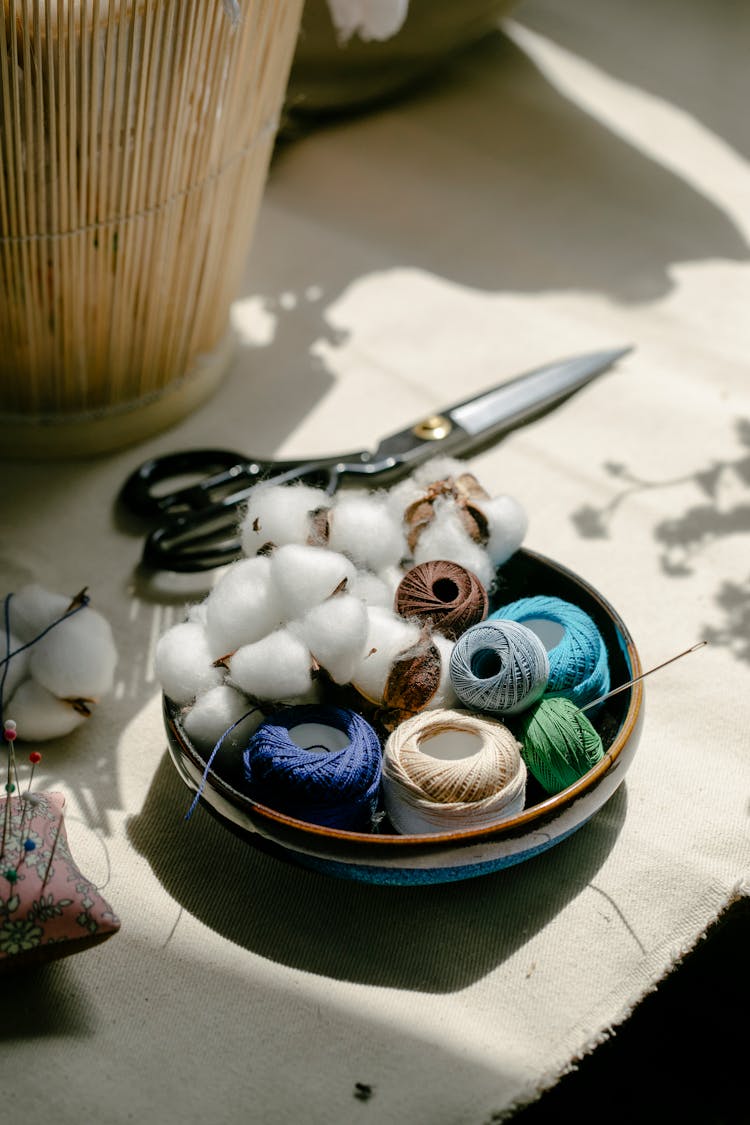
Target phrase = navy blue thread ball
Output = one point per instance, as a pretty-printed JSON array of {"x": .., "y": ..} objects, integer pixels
[
  {"x": 578, "y": 663},
  {"x": 335, "y": 788}
]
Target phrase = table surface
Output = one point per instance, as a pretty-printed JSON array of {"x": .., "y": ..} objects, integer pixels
[{"x": 579, "y": 180}]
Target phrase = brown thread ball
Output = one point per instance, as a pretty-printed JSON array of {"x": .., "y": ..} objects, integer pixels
[{"x": 443, "y": 593}]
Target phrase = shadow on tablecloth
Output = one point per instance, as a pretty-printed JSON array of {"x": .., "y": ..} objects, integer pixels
[{"x": 434, "y": 938}]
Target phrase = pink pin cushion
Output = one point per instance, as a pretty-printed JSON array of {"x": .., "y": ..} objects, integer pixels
[{"x": 48, "y": 908}]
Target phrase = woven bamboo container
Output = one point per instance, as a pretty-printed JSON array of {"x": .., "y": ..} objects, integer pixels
[{"x": 135, "y": 138}]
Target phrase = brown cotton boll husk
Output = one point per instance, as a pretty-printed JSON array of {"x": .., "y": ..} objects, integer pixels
[
  {"x": 463, "y": 490},
  {"x": 416, "y": 517},
  {"x": 414, "y": 678},
  {"x": 443, "y": 594},
  {"x": 475, "y": 522},
  {"x": 320, "y": 528},
  {"x": 468, "y": 488}
]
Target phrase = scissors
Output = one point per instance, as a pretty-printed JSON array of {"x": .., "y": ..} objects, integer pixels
[{"x": 197, "y": 523}]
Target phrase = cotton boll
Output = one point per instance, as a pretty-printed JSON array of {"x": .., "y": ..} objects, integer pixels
[
  {"x": 438, "y": 468},
  {"x": 391, "y": 576},
  {"x": 508, "y": 524},
  {"x": 305, "y": 576},
  {"x": 198, "y": 613},
  {"x": 17, "y": 667},
  {"x": 184, "y": 664},
  {"x": 214, "y": 712},
  {"x": 415, "y": 487},
  {"x": 242, "y": 607},
  {"x": 40, "y": 715},
  {"x": 445, "y": 695},
  {"x": 77, "y": 658},
  {"x": 363, "y": 527},
  {"x": 278, "y": 667},
  {"x": 33, "y": 609},
  {"x": 371, "y": 589},
  {"x": 370, "y": 19},
  {"x": 446, "y": 538},
  {"x": 388, "y": 636},
  {"x": 402, "y": 495},
  {"x": 335, "y": 632},
  {"x": 279, "y": 514}
]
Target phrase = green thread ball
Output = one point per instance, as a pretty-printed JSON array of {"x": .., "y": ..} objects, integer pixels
[{"x": 558, "y": 743}]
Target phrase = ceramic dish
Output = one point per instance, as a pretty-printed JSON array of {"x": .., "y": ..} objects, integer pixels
[{"x": 387, "y": 857}]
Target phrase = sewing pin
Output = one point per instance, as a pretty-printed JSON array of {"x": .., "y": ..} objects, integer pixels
[
  {"x": 9, "y": 734},
  {"x": 26, "y": 846},
  {"x": 636, "y": 679}
]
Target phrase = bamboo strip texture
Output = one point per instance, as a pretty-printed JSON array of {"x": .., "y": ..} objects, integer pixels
[{"x": 135, "y": 140}]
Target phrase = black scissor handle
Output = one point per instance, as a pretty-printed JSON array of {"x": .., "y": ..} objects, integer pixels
[
  {"x": 210, "y": 472},
  {"x": 194, "y": 543},
  {"x": 198, "y": 523}
]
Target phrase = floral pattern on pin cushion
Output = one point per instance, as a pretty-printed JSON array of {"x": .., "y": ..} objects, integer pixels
[{"x": 48, "y": 909}]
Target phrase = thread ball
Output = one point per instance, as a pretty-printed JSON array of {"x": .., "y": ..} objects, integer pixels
[
  {"x": 451, "y": 769},
  {"x": 578, "y": 660},
  {"x": 448, "y": 596},
  {"x": 499, "y": 666},
  {"x": 558, "y": 743},
  {"x": 333, "y": 781}
]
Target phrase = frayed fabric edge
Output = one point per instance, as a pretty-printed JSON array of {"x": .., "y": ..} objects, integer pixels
[{"x": 550, "y": 1078}]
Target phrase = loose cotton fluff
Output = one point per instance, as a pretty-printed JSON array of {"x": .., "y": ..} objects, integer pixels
[{"x": 61, "y": 659}]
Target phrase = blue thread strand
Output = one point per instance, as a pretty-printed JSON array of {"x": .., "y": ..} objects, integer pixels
[
  {"x": 579, "y": 663},
  {"x": 22, "y": 648},
  {"x": 333, "y": 788},
  {"x": 5, "y": 662},
  {"x": 212, "y": 755}
]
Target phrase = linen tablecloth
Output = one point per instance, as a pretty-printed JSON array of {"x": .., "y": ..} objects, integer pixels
[{"x": 560, "y": 188}]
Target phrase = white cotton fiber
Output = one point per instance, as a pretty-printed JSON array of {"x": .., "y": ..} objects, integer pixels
[
  {"x": 391, "y": 576},
  {"x": 508, "y": 524},
  {"x": 184, "y": 664},
  {"x": 363, "y": 527},
  {"x": 335, "y": 633},
  {"x": 414, "y": 487},
  {"x": 33, "y": 609},
  {"x": 77, "y": 658},
  {"x": 446, "y": 538},
  {"x": 402, "y": 495},
  {"x": 40, "y": 715},
  {"x": 445, "y": 696},
  {"x": 369, "y": 19},
  {"x": 279, "y": 514},
  {"x": 242, "y": 607},
  {"x": 197, "y": 613},
  {"x": 214, "y": 712},
  {"x": 388, "y": 636},
  {"x": 439, "y": 468},
  {"x": 278, "y": 667},
  {"x": 371, "y": 589},
  {"x": 17, "y": 666},
  {"x": 305, "y": 576}
]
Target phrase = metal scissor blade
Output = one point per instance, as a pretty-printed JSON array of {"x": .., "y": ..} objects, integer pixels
[
  {"x": 517, "y": 400},
  {"x": 467, "y": 424}
]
